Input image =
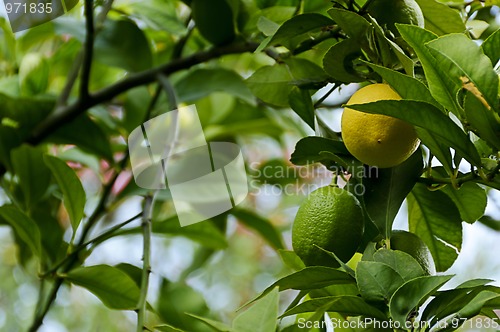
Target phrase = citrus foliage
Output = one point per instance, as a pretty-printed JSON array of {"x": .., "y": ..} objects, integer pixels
[{"x": 71, "y": 92}]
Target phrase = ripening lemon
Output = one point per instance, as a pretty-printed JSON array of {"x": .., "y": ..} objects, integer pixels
[
  {"x": 330, "y": 218},
  {"x": 390, "y": 12},
  {"x": 375, "y": 139}
]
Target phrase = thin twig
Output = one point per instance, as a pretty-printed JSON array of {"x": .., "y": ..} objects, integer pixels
[
  {"x": 88, "y": 50},
  {"x": 326, "y": 95},
  {"x": 146, "y": 258}
]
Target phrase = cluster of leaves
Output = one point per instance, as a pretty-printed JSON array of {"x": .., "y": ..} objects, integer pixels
[{"x": 78, "y": 95}]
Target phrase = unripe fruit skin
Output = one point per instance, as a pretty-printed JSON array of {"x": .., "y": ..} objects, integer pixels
[
  {"x": 375, "y": 139},
  {"x": 415, "y": 247},
  {"x": 330, "y": 218},
  {"x": 390, "y": 12}
]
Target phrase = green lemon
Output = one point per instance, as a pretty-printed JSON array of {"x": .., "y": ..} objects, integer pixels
[
  {"x": 330, "y": 218},
  {"x": 415, "y": 247},
  {"x": 390, "y": 12}
]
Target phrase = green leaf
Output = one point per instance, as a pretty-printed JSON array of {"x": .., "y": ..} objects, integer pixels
[
  {"x": 24, "y": 227},
  {"x": 218, "y": 326},
  {"x": 71, "y": 187},
  {"x": 202, "y": 82},
  {"x": 441, "y": 19},
  {"x": 442, "y": 88},
  {"x": 309, "y": 150},
  {"x": 426, "y": 116},
  {"x": 459, "y": 56},
  {"x": 491, "y": 47},
  {"x": 86, "y": 134},
  {"x": 377, "y": 281},
  {"x": 412, "y": 294},
  {"x": 354, "y": 25},
  {"x": 291, "y": 259},
  {"x": 301, "y": 103},
  {"x": 433, "y": 216},
  {"x": 406, "y": 86},
  {"x": 215, "y": 20},
  {"x": 482, "y": 120},
  {"x": 273, "y": 84},
  {"x": 299, "y": 25},
  {"x": 167, "y": 328},
  {"x": 338, "y": 61},
  {"x": 309, "y": 278},
  {"x": 490, "y": 222},
  {"x": 112, "y": 286},
  {"x": 404, "y": 264},
  {"x": 470, "y": 199},
  {"x": 261, "y": 225},
  {"x": 386, "y": 189},
  {"x": 261, "y": 316},
  {"x": 270, "y": 84},
  {"x": 34, "y": 176},
  {"x": 439, "y": 149},
  {"x": 122, "y": 44},
  {"x": 345, "y": 304}
]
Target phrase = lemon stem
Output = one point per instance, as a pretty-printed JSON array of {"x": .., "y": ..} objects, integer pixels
[{"x": 334, "y": 181}]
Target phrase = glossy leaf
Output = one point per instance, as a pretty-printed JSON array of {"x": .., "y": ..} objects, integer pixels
[
  {"x": 377, "y": 281},
  {"x": 261, "y": 225},
  {"x": 261, "y": 316},
  {"x": 217, "y": 326},
  {"x": 301, "y": 103},
  {"x": 491, "y": 47},
  {"x": 167, "y": 328},
  {"x": 433, "y": 216},
  {"x": 482, "y": 120},
  {"x": 462, "y": 58},
  {"x": 404, "y": 264},
  {"x": 386, "y": 189},
  {"x": 309, "y": 150},
  {"x": 112, "y": 286},
  {"x": 406, "y": 86},
  {"x": 309, "y": 278},
  {"x": 299, "y": 25},
  {"x": 34, "y": 176},
  {"x": 426, "y": 116},
  {"x": 122, "y": 44},
  {"x": 71, "y": 187},
  {"x": 86, "y": 134},
  {"x": 347, "y": 305},
  {"x": 470, "y": 199},
  {"x": 354, "y": 25},
  {"x": 440, "y": 18},
  {"x": 412, "y": 294},
  {"x": 24, "y": 227},
  {"x": 200, "y": 83},
  {"x": 214, "y": 20},
  {"x": 442, "y": 88},
  {"x": 290, "y": 258},
  {"x": 338, "y": 61},
  {"x": 270, "y": 84}
]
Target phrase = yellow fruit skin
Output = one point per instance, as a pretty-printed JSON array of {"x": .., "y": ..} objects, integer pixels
[
  {"x": 374, "y": 139},
  {"x": 415, "y": 247},
  {"x": 330, "y": 218}
]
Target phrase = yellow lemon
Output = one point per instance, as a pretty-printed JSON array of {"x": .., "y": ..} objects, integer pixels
[{"x": 375, "y": 139}]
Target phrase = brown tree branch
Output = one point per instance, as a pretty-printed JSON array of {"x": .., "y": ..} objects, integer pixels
[{"x": 69, "y": 113}]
